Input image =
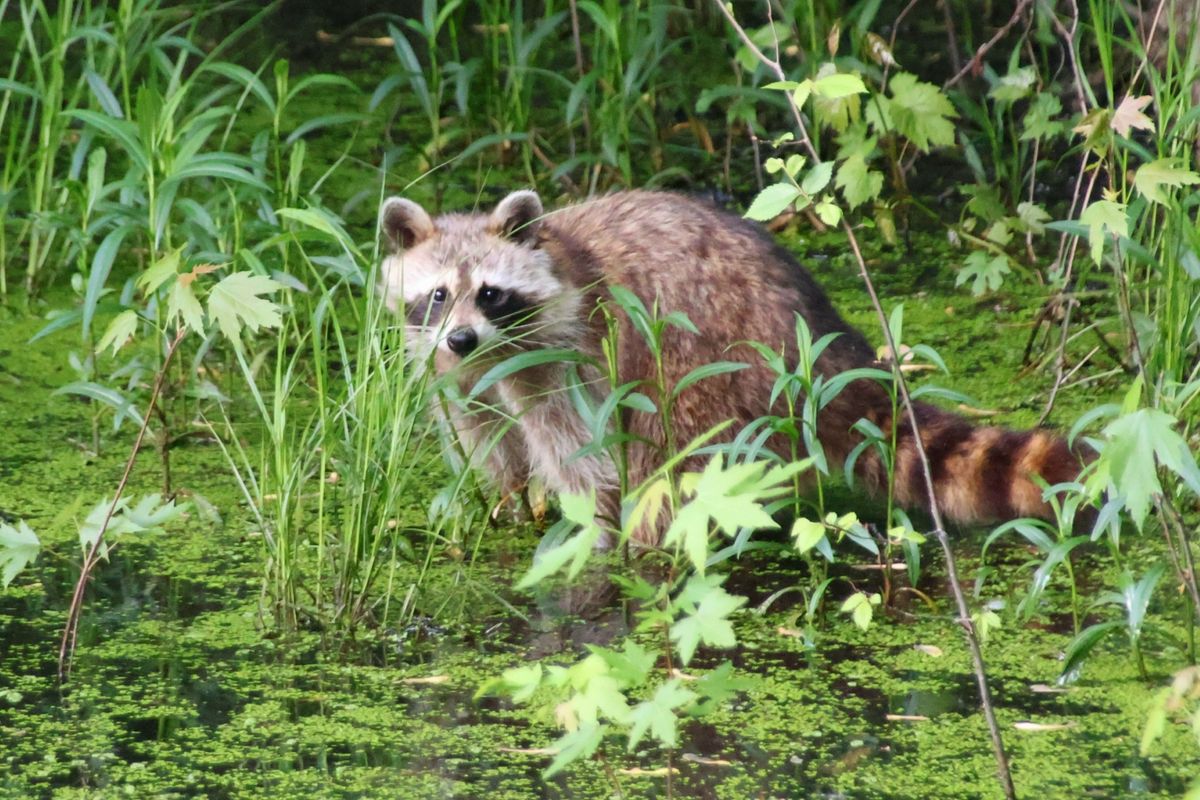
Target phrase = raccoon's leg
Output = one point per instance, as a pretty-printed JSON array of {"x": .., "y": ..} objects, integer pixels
[
  {"x": 490, "y": 442},
  {"x": 553, "y": 434}
]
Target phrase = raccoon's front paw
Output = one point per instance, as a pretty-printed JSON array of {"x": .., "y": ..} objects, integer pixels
[{"x": 519, "y": 505}]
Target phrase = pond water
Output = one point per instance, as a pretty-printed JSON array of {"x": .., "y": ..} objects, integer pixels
[{"x": 182, "y": 687}]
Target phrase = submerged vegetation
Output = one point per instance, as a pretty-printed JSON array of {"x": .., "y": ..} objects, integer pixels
[{"x": 239, "y": 555}]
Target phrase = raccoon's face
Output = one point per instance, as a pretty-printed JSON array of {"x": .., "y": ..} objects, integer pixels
[{"x": 475, "y": 285}]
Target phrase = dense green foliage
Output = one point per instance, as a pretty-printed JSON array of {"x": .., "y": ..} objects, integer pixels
[{"x": 193, "y": 216}]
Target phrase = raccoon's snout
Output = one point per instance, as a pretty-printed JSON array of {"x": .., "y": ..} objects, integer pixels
[{"x": 462, "y": 340}]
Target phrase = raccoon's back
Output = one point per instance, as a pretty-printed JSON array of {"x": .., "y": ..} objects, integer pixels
[{"x": 730, "y": 278}]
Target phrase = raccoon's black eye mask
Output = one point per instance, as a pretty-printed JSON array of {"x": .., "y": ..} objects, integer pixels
[{"x": 504, "y": 307}]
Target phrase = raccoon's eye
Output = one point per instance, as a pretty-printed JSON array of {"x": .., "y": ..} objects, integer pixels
[
  {"x": 439, "y": 295},
  {"x": 489, "y": 295}
]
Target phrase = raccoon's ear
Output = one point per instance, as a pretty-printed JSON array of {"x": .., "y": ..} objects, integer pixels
[
  {"x": 405, "y": 223},
  {"x": 518, "y": 217}
]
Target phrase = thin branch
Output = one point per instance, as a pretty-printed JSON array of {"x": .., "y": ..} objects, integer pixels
[
  {"x": 977, "y": 59},
  {"x": 66, "y": 648},
  {"x": 1005, "y": 776}
]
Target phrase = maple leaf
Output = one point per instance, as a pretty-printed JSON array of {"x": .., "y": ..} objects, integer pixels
[
  {"x": 1129, "y": 115},
  {"x": 236, "y": 303},
  {"x": 1151, "y": 177}
]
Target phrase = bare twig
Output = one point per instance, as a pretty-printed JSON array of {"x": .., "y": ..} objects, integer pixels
[
  {"x": 977, "y": 59},
  {"x": 964, "y": 614},
  {"x": 66, "y": 648}
]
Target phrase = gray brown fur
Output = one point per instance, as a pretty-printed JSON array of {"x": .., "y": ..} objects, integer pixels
[{"x": 733, "y": 282}]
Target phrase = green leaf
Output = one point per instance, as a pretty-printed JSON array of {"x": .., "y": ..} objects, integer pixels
[
  {"x": 858, "y": 184},
  {"x": 519, "y": 683},
  {"x": 1136, "y": 441},
  {"x": 730, "y": 497},
  {"x": 828, "y": 211},
  {"x": 1101, "y": 217},
  {"x": 1156, "y": 721},
  {"x": 160, "y": 271},
  {"x": 182, "y": 302},
  {"x": 236, "y": 303},
  {"x": 986, "y": 621},
  {"x": 837, "y": 85},
  {"x": 817, "y": 178},
  {"x": 93, "y": 526},
  {"x": 523, "y": 361},
  {"x": 709, "y": 624},
  {"x": 119, "y": 331},
  {"x": 794, "y": 164},
  {"x": 1082, "y": 645},
  {"x": 1150, "y": 178},
  {"x": 840, "y": 107},
  {"x": 580, "y": 510},
  {"x": 807, "y": 534},
  {"x": 576, "y": 745},
  {"x": 151, "y": 513},
  {"x": 1014, "y": 86},
  {"x": 706, "y": 371},
  {"x": 122, "y": 130},
  {"x": 658, "y": 714},
  {"x": 772, "y": 201},
  {"x": 1033, "y": 217},
  {"x": 19, "y": 546},
  {"x": 104, "y": 394},
  {"x": 1039, "y": 121},
  {"x": 921, "y": 112},
  {"x": 631, "y": 666},
  {"x": 984, "y": 270},
  {"x": 861, "y": 608},
  {"x": 322, "y": 221}
]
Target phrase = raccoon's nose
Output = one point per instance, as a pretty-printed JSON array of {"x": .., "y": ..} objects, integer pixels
[{"x": 462, "y": 340}]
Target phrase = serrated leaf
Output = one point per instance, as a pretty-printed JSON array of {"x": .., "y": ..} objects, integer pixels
[
  {"x": 1040, "y": 120},
  {"x": 807, "y": 534},
  {"x": 658, "y": 714},
  {"x": 581, "y": 511},
  {"x": 858, "y": 184},
  {"x": 576, "y": 745},
  {"x": 1096, "y": 127},
  {"x": 921, "y": 112},
  {"x": 817, "y": 178},
  {"x": 236, "y": 303},
  {"x": 837, "y": 85},
  {"x": 708, "y": 624},
  {"x": 160, "y": 272},
  {"x": 119, "y": 331},
  {"x": 1137, "y": 443},
  {"x": 182, "y": 302},
  {"x": 772, "y": 201},
  {"x": 1151, "y": 177},
  {"x": 19, "y": 547},
  {"x": 1129, "y": 116},
  {"x": 1033, "y": 217},
  {"x": 1014, "y": 86},
  {"x": 828, "y": 211},
  {"x": 1101, "y": 217},
  {"x": 985, "y": 271}
]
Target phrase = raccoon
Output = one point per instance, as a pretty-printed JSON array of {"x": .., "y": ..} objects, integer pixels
[{"x": 478, "y": 288}]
